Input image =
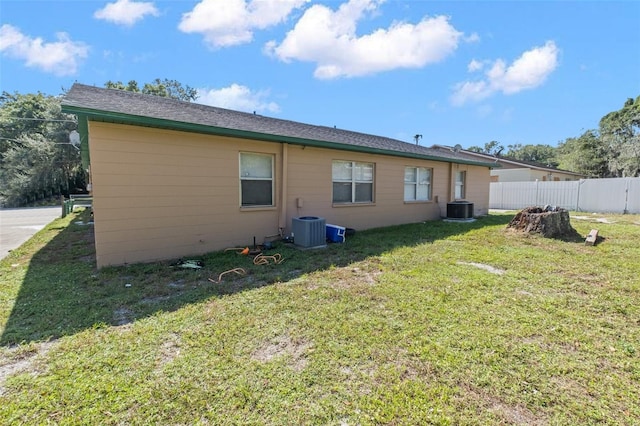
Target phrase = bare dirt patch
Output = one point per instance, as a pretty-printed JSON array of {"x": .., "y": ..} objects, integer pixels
[
  {"x": 17, "y": 360},
  {"x": 512, "y": 414},
  {"x": 368, "y": 276},
  {"x": 487, "y": 268},
  {"x": 350, "y": 276},
  {"x": 284, "y": 346},
  {"x": 168, "y": 351},
  {"x": 594, "y": 219}
]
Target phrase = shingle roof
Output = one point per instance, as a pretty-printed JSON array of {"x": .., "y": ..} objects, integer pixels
[{"x": 123, "y": 106}]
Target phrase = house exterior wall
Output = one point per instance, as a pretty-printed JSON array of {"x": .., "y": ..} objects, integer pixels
[
  {"x": 531, "y": 175},
  {"x": 513, "y": 175},
  {"x": 309, "y": 174},
  {"x": 477, "y": 188},
  {"x": 559, "y": 176},
  {"x": 161, "y": 194}
]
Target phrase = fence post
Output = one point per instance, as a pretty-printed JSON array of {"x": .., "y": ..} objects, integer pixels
[{"x": 67, "y": 206}]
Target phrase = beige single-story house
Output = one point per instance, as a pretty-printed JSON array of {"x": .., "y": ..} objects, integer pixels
[
  {"x": 508, "y": 170},
  {"x": 172, "y": 179}
]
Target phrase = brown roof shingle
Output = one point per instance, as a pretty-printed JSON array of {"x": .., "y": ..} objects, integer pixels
[{"x": 122, "y": 106}]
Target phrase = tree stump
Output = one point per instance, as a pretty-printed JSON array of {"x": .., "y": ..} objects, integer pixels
[{"x": 547, "y": 221}]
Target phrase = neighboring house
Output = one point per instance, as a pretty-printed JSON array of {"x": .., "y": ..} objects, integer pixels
[
  {"x": 173, "y": 179},
  {"x": 508, "y": 170}
]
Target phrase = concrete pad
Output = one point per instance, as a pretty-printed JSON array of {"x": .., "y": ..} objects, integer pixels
[{"x": 18, "y": 225}]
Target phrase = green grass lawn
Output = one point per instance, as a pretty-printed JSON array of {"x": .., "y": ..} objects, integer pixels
[{"x": 429, "y": 323}]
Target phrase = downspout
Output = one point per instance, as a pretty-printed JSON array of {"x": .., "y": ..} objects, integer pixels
[
  {"x": 443, "y": 208},
  {"x": 284, "y": 185},
  {"x": 451, "y": 183}
]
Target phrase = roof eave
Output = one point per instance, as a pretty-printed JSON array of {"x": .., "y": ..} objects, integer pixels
[{"x": 121, "y": 118}]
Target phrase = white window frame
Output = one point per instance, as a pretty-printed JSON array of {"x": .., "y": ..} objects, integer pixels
[
  {"x": 461, "y": 185},
  {"x": 420, "y": 185},
  {"x": 354, "y": 181},
  {"x": 248, "y": 178}
]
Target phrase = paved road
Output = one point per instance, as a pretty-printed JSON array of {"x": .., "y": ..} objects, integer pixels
[{"x": 18, "y": 225}]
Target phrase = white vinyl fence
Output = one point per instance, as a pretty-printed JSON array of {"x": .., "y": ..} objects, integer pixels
[{"x": 619, "y": 195}]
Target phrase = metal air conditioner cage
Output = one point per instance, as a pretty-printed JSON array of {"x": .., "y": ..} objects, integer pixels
[
  {"x": 309, "y": 231},
  {"x": 460, "y": 210}
]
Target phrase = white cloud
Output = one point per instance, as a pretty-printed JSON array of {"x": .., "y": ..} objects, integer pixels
[
  {"x": 475, "y": 66},
  {"x": 126, "y": 12},
  {"x": 329, "y": 39},
  {"x": 529, "y": 71},
  {"x": 473, "y": 38},
  {"x": 226, "y": 23},
  {"x": 60, "y": 57},
  {"x": 237, "y": 97}
]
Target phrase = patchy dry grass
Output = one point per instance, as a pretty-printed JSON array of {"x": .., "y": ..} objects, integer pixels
[{"x": 431, "y": 323}]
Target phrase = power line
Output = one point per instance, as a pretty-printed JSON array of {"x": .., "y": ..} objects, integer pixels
[
  {"x": 54, "y": 143},
  {"x": 42, "y": 119}
]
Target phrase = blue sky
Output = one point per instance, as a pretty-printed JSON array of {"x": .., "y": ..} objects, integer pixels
[{"x": 455, "y": 72}]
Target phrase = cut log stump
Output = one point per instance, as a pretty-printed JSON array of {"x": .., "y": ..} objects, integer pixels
[
  {"x": 592, "y": 238},
  {"x": 547, "y": 221}
]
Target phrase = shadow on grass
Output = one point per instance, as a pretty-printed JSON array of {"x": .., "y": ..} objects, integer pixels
[{"x": 62, "y": 293}]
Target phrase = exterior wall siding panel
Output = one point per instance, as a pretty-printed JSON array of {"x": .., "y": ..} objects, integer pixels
[{"x": 161, "y": 194}]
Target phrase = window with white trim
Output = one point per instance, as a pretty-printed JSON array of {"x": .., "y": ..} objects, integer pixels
[
  {"x": 461, "y": 179},
  {"x": 256, "y": 179},
  {"x": 352, "y": 182},
  {"x": 417, "y": 184}
]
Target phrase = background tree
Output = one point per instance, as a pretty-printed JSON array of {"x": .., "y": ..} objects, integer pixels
[
  {"x": 611, "y": 151},
  {"x": 620, "y": 136},
  {"x": 491, "y": 148},
  {"x": 131, "y": 86},
  {"x": 541, "y": 154},
  {"x": 584, "y": 154},
  {"x": 36, "y": 159},
  {"x": 165, "y": 88},
  {"x": 20, "y": 114}
]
